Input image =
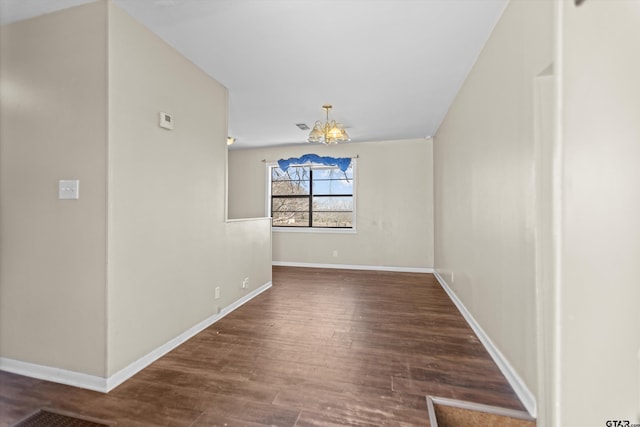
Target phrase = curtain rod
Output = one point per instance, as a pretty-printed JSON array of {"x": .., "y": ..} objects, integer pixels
[{"x": 357, "y": 156}]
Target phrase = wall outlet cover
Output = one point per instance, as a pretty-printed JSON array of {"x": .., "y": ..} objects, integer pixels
[{"x": 69, "y": 189}]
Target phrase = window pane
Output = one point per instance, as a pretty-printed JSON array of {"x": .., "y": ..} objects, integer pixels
[
  {"x": 332, "y": 186},
  {"x": 335, "y": 204},
  {"x": 290, "y": 204},
  {"x": 332, "y": 173},
  {"x": 332, "y": 181},
  {"x": 290, "y": 211},
  {"x": 295, "y": 173},
  {"x": 291, "y": 219},
  {"x": 293, "y": 182},
  {"x": 289, "y": 188},
  {"x": 332, "y": 219}
]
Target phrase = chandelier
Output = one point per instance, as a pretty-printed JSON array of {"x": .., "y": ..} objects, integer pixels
[{"x": 328, "y": 132}]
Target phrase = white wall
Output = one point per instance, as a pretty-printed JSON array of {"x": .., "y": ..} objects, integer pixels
[
  {"x": 394, "y": 212},
  {"x": 485, "y": 185},
  {"x": 53, "y": 125},
  {"x": 600, "y": 320}
]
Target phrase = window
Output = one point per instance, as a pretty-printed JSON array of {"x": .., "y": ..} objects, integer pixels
[{"x": 312, "y": 196}]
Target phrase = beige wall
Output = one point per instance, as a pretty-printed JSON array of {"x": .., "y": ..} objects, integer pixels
[
  {"x": 168, "y": 242},
  {"x": 600, "y": 294},
  {"x": 394, "y": 204},
  {"x": 545, "y": 122},
  {"x": 92, "y": 285},
  {"x": 536, "y": 206},
  {"x": 484, "y": 160},
  {"x": 53, "y": 125}
]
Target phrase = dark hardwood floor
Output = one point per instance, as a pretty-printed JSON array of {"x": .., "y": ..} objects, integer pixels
[{"x": 321, "y": 348}]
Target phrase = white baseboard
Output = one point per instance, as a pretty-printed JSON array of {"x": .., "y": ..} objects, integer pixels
[
  {"x": 355, "y": 267},
  {"x": 56, "y": 375},
  {"x": 105, "y": 385},
  {"x": 526, "y": 396},
  {"x": 124, "y": 374}
]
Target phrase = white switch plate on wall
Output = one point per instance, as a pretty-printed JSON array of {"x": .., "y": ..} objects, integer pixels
[
  {"x": 69, "y": 189},
  {"x": 166, "y": 121}
]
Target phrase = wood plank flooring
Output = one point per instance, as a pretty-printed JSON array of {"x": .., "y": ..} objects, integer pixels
[{"x": 320, "y": 348}]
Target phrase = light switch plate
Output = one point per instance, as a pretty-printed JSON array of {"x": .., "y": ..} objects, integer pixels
[
  {"x": 166, "y": 121},
  {"x": 69, "y": 189}
]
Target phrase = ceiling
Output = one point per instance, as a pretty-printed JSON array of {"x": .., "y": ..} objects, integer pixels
[{"x": 391, "y": 68}]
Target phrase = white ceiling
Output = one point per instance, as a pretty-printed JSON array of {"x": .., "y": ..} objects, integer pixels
[{"x": 391, "y": 68}]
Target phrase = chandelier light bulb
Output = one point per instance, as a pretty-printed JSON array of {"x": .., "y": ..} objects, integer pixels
[
  {"x": 316, "y": 133},
  {"x": 329, "y": 132}
]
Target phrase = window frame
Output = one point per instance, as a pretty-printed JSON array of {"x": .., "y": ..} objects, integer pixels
[{"x": 311, "y": 229}]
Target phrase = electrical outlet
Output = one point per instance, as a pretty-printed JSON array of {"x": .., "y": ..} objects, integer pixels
[
  {"x": 69, "y": 189},
  {"x": 217, "y": 293},
  {"x": 245, "y": 283},
  {"x": 453, "y": 280},
  {"x": 335, "y": 252}
]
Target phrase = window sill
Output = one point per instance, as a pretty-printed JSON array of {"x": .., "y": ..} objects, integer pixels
[{"x": 314, "y": 230}]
